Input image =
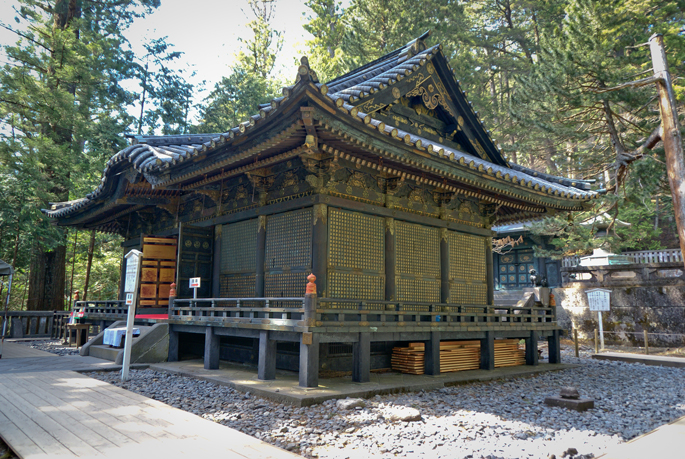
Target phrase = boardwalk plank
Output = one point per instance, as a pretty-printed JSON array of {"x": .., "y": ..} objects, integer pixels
[
  {"x": 48, "y": 411},
  {"x": 25, "y": 423},
  {"x": 19, "y": 438},
  {"x": 48, "y": 424},
  {"x": 91, "y": 418},
  {"x": 112, "y": 413}
]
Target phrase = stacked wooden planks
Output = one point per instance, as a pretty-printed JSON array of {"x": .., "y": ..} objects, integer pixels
[
  {"x": 456, "y": 356},
  {"x": 508, "y": 354}
]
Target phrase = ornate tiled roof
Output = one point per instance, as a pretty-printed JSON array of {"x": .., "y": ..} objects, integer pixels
[{"x": 155, "y": 156}]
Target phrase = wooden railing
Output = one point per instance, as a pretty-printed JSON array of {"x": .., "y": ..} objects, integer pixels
[
  {"x": 392, "y": 313},
  {"x": 239, "y": 311},
  {"x": 657, "y": 256},
  {"x": 643, "y": 256},
  {"x": 267, "y": 313},
  {"x": 34, "y": 324},
  {"x": 113, "y": 309}
]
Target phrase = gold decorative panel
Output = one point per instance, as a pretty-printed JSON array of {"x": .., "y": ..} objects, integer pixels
[
  {"x": 240, "y": 286},
  {"x": 285, "y": 284},
  {"x": 356, "y": 256},
  {"x": 357, "y": 241},
  {"x": 289, "y": 240},
  {"x": 418, "y": 250},
  {"x": 418, "y": 289},
  {"x": 239, "y": 247},
  {"x": 468, "y": 293},
  {"x": 362, "y": 286},
  {"x": 468, "y": 269}
]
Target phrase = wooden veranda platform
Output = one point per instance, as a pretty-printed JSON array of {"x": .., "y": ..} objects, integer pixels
[{"x": 64, "y": 413}]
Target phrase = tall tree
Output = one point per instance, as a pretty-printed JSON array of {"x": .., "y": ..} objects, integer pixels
[
  {"x": 251, "y": 81},
  {"x": 165, "y": 93},
  {"x": 327, "y": 27},
  {"x": 61, "y": 100}
]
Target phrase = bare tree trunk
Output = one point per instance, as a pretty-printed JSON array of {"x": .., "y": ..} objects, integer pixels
[
  {"x": 89, "y": 264},
  {"x": 673, "y": 143},
  {"x": 16, "y": 248},
  {"x": 47, "y": 280},
  {"x": 73, "y": 265}
]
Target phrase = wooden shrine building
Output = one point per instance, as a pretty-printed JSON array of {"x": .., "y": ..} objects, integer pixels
[{"x": 383, "y": 183}]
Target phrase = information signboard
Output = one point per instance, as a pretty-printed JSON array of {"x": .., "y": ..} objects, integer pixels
[
  {"x": 599, "y": 299},
  {"x": 129, "y": 299},
  {"x": 195, "y": 282},
  {"x": 132, "y": 261}
]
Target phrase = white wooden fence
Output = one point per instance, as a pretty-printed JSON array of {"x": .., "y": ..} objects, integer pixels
[{"x": 643, "y": 256}]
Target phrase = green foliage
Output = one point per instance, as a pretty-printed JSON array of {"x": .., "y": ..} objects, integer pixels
[
  {"x": 234, "y": 99},
  {"x": 62, "y": 111},
  {"x": 164, "y": 89},
  {"x": 327, "y": 26},
  {"x": 533, "y": 70},
  {"x": 251, "y": 81}
]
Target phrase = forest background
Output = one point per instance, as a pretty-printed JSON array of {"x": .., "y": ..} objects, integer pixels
[{"x": 72, "y": 88}]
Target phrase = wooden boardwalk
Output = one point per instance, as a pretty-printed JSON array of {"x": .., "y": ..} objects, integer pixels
[{"x": 61, "y": 413}]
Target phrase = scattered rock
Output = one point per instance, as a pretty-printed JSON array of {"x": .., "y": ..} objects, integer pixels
[
  {"x": 570, "y": 393},
  {"x": 502, "y": 419},
  {"x": 570, "y": 452},
  {"x": 350, "y": 403},
  {"x": 404, "y": 414}
]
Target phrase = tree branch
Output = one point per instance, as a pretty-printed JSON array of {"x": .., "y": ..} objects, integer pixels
[{"x": 630, "y": 84}]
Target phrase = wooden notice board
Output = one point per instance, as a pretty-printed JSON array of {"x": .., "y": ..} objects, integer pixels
[{"x": 158, "y": 271}]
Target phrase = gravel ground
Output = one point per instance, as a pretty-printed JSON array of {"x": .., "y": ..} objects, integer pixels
[
  {"x": 495, "y": 420},
  {"x": 54, "y": 347}
]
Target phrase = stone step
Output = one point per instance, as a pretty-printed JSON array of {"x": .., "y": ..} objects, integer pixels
[{"x": 103, "y": 351}]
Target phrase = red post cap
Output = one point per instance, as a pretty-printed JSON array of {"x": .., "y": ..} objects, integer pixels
[
  {"x": 311, "y": 286},
  {"x": 172, "y": 290}
]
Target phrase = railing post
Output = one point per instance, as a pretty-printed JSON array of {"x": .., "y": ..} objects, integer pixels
[
  {"x": 554, "y": 347},
  {"x": 309, "y": 342},
  {"x": 487, "y": 351},
  {"x": 172, "y": 298},
  {"x": 646, "y": 342}
]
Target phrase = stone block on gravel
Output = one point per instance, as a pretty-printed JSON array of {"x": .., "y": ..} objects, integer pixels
[
  {"x": 581, "y": 404},
  {"x": 404, "y": 414},
  {"x": 350, "y": 403}
]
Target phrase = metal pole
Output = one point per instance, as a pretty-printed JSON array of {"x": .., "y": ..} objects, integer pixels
[
  {"x": 129, "y": 324},
  {"x": 673, "y": 143},
  {"x": 601, "y": 329},
  {"x": 4, "y": 323},
  {"x": 575, "y": 341}
]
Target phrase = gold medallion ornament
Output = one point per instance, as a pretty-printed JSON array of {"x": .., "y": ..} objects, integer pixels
[
  {"x": 396, "y": 93},
  {"x": 430, "y": 68}
]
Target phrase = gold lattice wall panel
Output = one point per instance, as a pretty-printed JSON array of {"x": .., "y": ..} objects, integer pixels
[
  {"x": 239, "y": 286},
  {"x": 285, "y": 284},
  {"x": 417, "y": 250},
  {"x": 418, "y": 289},
  {"x": 239, "y": 247},
  {"x": 468, "y": 293},
  {"x": 289, "y": 240},
  {"x": 362, "y": 286},
  {"x": 467, "y": 257},
  {"x": 357, "y": 241}
]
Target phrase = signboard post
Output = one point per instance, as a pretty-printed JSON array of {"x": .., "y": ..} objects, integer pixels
[
  {"x": 133, "y": 262},
  {"x": 599, "y": 299},
  {"x": 195, "y": 284}
]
